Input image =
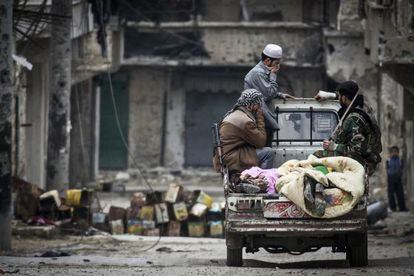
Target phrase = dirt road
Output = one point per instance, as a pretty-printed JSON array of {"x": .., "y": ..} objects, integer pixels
[{"x": 391, "y": 252}]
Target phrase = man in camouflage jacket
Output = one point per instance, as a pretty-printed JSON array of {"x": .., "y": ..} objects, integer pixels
[{"x": 352, "y": 138}]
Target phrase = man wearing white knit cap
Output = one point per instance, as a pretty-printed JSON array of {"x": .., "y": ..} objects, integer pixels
[{"x": 263, "y": 78}]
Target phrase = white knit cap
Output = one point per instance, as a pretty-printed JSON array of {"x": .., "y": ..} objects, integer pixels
[{"x": 273, "y": 51}]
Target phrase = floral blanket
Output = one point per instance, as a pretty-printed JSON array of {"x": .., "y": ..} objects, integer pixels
[{"x": 344, "y": 186}]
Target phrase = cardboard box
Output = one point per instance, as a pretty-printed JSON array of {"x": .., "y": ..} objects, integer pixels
[
  {"x": 147, "y": 213},
  {"x": 152, "y": 232},
  {"x": 79, "y": 197},
  {"x": 180, "y": 211},
  {"x": 132, "y": 213},
  {"x": 116, "y": 213},
  {"x": 73, "y": 197},
  {"x": 196, "y": 229},
  {"x": 148, "y": 224},
  {"x": 117, "y": 227},
  {"x": 161, "y": 213},
  {"x": 100, "y": 221},
  {"x": 204, "y": 198},
  {"x": 138, "y": 200},
  {"x": 135, "y": 227},
  {"x": 174, "y": 193},
  {"x": 98, "y": 218},
  {"x": 174, "y": 229},
  {"x": 198, "y": 209},
  {"x": 216, "y": 229}
]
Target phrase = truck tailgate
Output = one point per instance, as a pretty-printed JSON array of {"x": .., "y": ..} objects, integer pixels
[{"x": 263, "y": 214}]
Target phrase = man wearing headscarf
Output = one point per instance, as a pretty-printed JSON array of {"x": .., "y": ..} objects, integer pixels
[
  {"x": 263, "y": 78},
  {"x": 243, "y": 135}
]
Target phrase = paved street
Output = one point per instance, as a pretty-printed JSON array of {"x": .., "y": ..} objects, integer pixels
[{"x": 391, "y": 252}]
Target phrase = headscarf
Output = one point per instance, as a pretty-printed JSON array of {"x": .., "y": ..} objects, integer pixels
[{"x": 249, "y": 97}]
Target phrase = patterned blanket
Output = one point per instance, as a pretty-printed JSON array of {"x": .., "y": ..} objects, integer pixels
[{"x": 344, "y": 186}]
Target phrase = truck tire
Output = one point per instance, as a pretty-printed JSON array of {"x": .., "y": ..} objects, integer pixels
[
  {"x": 234, "y": 257},
  {"x": 357, "y": 249}
]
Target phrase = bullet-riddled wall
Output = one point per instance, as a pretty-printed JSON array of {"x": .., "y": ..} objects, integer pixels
[
  {"x": 171, "y": 109},
  {"x": 346, "y": 60},
  {"x": 147, "y": 88}
]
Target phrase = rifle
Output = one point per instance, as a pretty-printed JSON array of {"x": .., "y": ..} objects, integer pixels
[
  {"x": 217, "y": 145},
  {"x": 343, "y": 116}
]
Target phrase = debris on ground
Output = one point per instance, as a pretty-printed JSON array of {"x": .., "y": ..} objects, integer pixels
[
  {"x": 376, "y": 211},
  {"x": 164, "y": 249},
  {"x": 54, "y": 254},
  {"x": 175, "y": 212}
]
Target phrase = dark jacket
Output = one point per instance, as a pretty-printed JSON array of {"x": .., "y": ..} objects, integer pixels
[{"x": 394, "y": 168}]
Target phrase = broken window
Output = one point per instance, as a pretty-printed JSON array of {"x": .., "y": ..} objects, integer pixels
[
  {"x": 179, "y": 45},
  {"x": 159, "y": 10}
]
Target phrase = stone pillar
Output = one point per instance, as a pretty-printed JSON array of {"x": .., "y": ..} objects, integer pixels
[
  {"x": 6, "y": 102},
  {"x": 59, "y": 97},
  {"x": 81, "y": 134},
  {"x": 147, "y": 88}
]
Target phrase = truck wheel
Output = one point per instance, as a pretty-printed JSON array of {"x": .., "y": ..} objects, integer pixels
[
  {"x": 357, "y": 249},
  {"x": 234, "y": 257}
]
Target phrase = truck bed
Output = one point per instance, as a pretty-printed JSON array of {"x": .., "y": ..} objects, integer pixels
[{"x": 251, "y": 220}]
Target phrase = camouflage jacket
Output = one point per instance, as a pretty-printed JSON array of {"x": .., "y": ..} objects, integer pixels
[{"x": 352, "y": 138}]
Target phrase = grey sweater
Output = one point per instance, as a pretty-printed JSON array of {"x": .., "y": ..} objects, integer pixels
[{"x": 264, "y": 81}]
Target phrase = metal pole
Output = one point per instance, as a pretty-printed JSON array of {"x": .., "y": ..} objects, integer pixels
[{"x": 6, "y": 95}]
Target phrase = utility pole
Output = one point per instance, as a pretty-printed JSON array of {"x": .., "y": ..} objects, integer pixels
[
  {"x": 6, "y": 96},
  {"x": 59, "y": 95}
]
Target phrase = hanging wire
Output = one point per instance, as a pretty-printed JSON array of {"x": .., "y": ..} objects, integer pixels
[
  {"x": 124, "y": 141},
  {"x": 181, "y": 37},
  {"x": 81, "y": 135}
]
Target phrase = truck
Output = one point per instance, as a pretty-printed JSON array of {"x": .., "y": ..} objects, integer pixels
[{"x": 255, "y": 221}]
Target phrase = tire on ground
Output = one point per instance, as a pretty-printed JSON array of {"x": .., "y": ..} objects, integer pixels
[
  {"x": 357, "y": 249},
  {"x": 234, "y": 257}
]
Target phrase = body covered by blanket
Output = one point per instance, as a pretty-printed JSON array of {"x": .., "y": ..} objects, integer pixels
[{"x": 346, "y": 183}]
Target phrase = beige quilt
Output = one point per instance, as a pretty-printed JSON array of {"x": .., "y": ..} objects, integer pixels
[{"x": 344, "y": 186}]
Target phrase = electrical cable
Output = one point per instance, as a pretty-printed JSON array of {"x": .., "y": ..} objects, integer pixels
[
  {"x": 81, "y": 136},
  {"x": 183, "y": 38},
  {"x": 118, "y": 123}
]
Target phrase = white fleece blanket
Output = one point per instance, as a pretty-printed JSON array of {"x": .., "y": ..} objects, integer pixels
[{"x": 346, "y": 183}]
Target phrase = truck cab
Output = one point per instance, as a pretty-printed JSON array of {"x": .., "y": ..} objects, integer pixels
[{"x": 271, "y": 221}]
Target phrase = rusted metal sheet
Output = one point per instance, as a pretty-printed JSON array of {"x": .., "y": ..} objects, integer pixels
[{"x": 296, "y": 226}]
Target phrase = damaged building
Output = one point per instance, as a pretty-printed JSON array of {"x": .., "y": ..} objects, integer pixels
[
  {"x": 93, "y": 45},
  {"x": 183, "y": 68},
  {"x": 146, "y": 87},
  {"x": 183, "y": 65},
  {"x": 373, "y": 45}
]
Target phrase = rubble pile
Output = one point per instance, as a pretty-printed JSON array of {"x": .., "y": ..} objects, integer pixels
[{"x": 175, "y": 212}]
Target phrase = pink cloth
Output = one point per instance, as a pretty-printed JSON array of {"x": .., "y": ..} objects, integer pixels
[{"x": 271, "y": 176}]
